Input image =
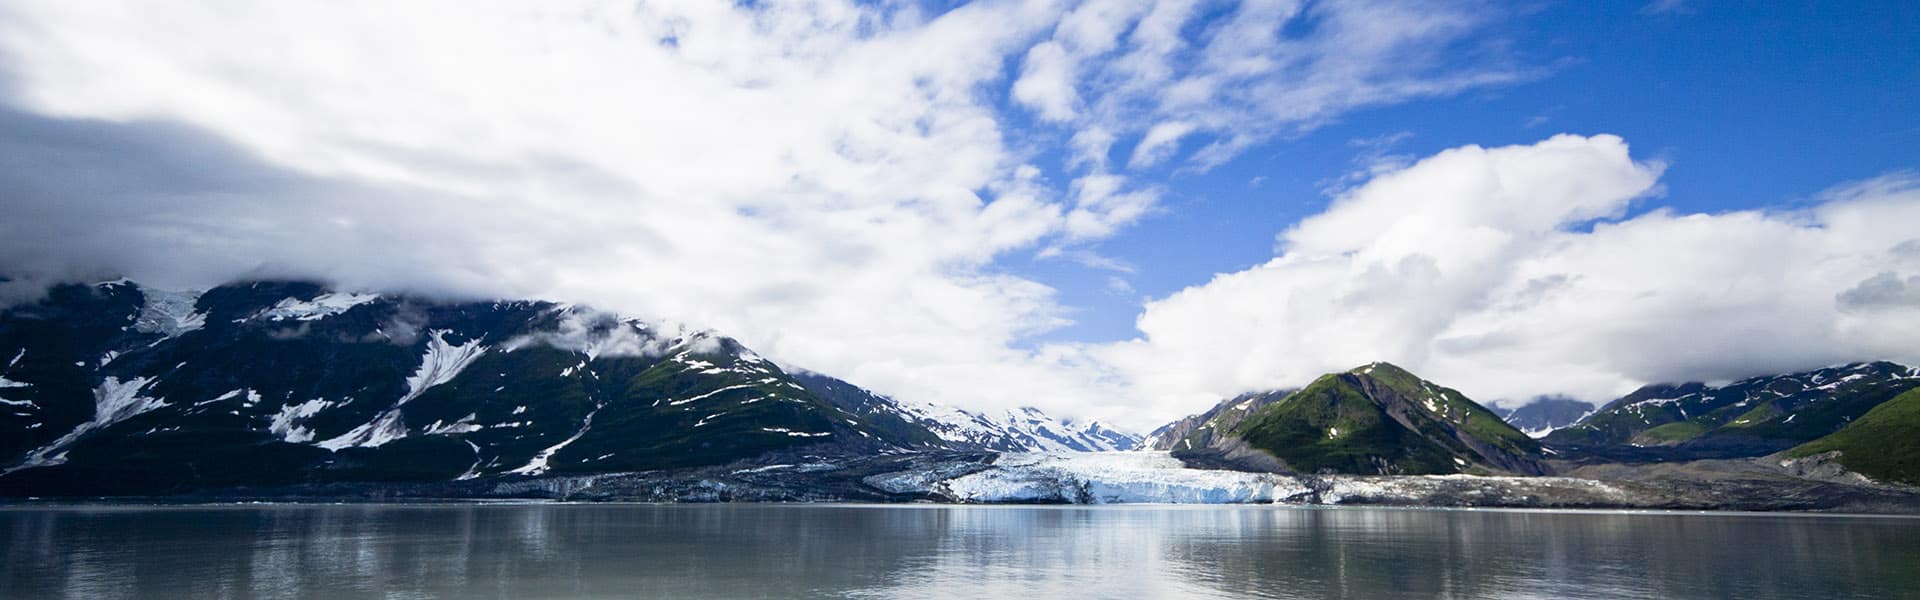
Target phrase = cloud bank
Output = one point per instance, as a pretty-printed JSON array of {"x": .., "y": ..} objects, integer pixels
[
  {"x": 830, "y": 181},
  {"x": 1514, "y": 272},
  {"x": 835, "y": 183}
]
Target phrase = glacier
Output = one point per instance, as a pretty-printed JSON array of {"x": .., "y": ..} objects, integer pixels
[
  {"x": 1117, "y": 478},
  {"x": 1156, "y": 477}
]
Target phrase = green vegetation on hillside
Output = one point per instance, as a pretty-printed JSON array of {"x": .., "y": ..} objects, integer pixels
[
  {"x": 1381, "y": 419},
  {"x": 1883, "y": 444}
]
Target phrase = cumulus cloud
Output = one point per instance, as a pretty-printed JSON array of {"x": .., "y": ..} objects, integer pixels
[
  {"x": 1513, "y": 272},
  {"x": 830, "y": 181},
  {"x": 1267, "y": 68}
]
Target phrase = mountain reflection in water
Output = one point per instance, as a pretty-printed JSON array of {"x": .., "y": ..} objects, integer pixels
[{"x": 840, "y": 551}]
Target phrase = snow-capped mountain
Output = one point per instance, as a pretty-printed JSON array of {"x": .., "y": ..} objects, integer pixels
[
  {"x": 115, "y": 388},
  {"x": 1772, "y": 412},
  {"x": 1376, "y": 419},
  {"x": 1018, "y": 430}
]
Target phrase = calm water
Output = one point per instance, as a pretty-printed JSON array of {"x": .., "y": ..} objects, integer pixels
[{"x": 747, "y": 551}]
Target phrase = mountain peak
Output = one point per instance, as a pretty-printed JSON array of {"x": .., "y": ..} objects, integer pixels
[{"x": 1376, "y": 418}]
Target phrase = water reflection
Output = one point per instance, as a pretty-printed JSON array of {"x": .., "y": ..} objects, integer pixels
[{"x": 747, "y": 551}]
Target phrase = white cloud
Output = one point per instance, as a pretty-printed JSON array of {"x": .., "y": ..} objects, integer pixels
[
  {"x": 1159, "y": 143},
  {"x": 831, "y": 181},
  {"x": 822, "y": 179},
  {"x": 1510, "y": 272},
  {"x": 1046, "y": 83}
]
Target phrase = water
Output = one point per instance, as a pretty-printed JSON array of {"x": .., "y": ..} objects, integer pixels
[{"x": 827, "y": 551}]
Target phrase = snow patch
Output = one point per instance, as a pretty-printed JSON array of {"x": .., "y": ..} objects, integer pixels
[
  {"x": 289, "y": 422},
  {"x": 792, "y": 433},
  {"x": 709, "y": 394},
  {"x": 113, "y": 401},
  {"x": 465, "y": 424},
  {"x": 538, "y": 464},
  {"x": 442, "y": 362},
  {"x": 227, "y": 396},
  {"x": 321, "y": 307}
]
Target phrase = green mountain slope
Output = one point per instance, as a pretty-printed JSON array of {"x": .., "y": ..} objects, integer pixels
[
  {"x": 1883, "y": 444},
  {"x": 1761, "y": 414},
  {"x": 1375, "y": 419}
]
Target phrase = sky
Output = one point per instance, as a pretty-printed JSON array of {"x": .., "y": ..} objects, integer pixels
[{"x": 1123, "y": 210}]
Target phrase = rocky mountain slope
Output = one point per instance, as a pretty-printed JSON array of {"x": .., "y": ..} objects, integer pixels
[
  {"x": 1375, "y": 419},
  {"x": 1199, "y": 431},
  {"x": 114, "y": 388},
  {"x": 1752, "y": 417}
]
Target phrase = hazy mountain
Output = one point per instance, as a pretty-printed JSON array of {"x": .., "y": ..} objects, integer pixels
[
  {"x": 1544, "y": 414},
  {"x": 1019, "y": 430}
]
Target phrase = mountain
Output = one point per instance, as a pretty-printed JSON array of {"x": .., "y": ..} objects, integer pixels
[
  {"x": 117, "y": 389},
  {"x": 1545, "y": 414},
  {"x": 1198, "y": 431},
  {"x": 1754, "y": 416},
  {"x": 1020, "y": 430},
  {"x": 1375, "y": 419},
  {"x": 1883, "y": 444}
]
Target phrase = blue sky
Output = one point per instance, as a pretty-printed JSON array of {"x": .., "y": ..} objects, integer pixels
[
  {"x": 1753, "y": 105},
  {"x": 1114, "y": 209}
]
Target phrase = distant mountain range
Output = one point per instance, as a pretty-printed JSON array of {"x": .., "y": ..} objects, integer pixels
[
  {"x": 1766, "y": 414},
  {"x": 1380, "y": 419},
  {"x": 298, "y": 389},
  {"x": 1024, "y": 429},
  {"x": 115, "y": 389}
]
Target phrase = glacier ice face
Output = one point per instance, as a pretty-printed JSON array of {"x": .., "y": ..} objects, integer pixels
[
  {"x": 1115, "y": 478},
  {"x": 1151, "y": 477}
]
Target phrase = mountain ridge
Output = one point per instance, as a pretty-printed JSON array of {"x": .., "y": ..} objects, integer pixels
[
  {"x": 112, "y": 388},
  {"x": 1768, "y": 412}
]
